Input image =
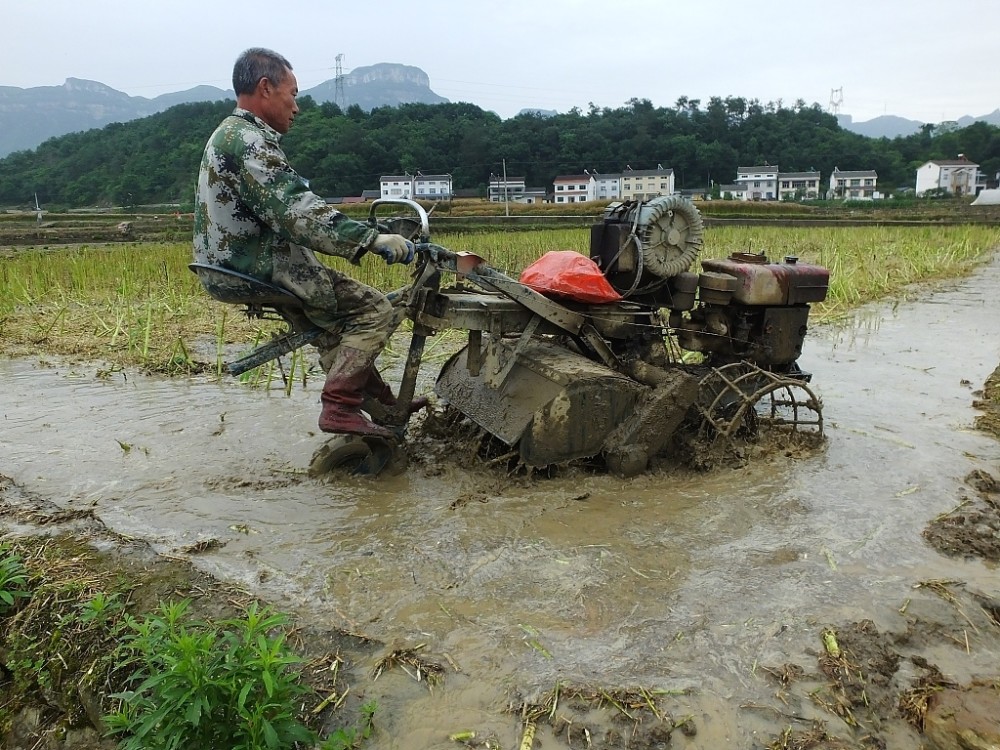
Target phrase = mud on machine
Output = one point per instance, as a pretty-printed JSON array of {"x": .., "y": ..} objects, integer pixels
[{"x": 559, "y": 380}]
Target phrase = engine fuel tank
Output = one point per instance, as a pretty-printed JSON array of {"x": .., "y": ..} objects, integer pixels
[{"x": 763, "y": 283}]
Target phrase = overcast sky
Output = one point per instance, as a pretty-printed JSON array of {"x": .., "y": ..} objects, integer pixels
[{"x": 927, "y": 60}]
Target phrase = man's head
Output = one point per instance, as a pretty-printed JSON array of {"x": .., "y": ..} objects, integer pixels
[{"x": 265, "y": 85}]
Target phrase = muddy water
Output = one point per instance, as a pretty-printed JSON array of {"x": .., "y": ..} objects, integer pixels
[{"x": 675, "y": 580}]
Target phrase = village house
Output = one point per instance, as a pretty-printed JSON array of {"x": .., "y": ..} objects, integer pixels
[
  {"x": 952, "y": 176},
  {"x": 609, "y": 186},
  {"x": 432, "y": 186},
  {"x": 632, "y": 184},
  {"x": 758, "y": 183},
  {"x": 427, "y": 187},
  {"x": 513, "y": 189},
  {"x": 798, "y": 185},
  {"x": 857, "y": 185},
  {"x": 509, "y": 189},
  {"x": 574, "y": 188},
  {"x": 395, "y": 186},
  {"x": 644, "y": 184},
  {"x": 733, "y": 192},
  {"x": 533, "y": 195},
  {"x": 853, "y": 185}
]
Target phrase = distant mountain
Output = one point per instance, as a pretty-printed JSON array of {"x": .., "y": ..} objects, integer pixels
[
  {"x": 538, "y": 112},
  {"x": 197, "y": 94},
  {"x": 993, "y": 118},
  {"x": 890, "y": 126},
  {"x": 379, "y": 85},
  {"x": 30, "y": 116},
  {"x": 885, "y": 126}
]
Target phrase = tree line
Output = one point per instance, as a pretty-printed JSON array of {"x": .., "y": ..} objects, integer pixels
[{"x": 343, "y": 152}]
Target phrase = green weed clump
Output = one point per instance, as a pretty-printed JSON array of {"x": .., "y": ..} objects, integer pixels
[
  {"x": 199, "y": 685},
  {"x": 57, "y": 634},
  {"x": 75, "y": 638},
  {"x": 13, "y": 579}
]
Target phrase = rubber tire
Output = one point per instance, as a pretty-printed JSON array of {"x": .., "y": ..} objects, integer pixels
[
  {"x": 627, "y": 461},
  {"x": 399, "y": 460},
  {"x": 351, "y": 454}
]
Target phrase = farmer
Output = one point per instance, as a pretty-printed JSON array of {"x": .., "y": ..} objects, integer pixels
[{"x": 254, "y": 214}]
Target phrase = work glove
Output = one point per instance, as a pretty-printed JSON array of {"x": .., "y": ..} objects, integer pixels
[{"x": 393, "y": 248}]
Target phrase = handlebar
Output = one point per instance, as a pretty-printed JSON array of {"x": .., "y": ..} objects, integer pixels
[{"x": 425, "y": 230}]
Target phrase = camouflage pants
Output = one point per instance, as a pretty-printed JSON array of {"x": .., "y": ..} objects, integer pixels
[{"x": 354, "y": 314}]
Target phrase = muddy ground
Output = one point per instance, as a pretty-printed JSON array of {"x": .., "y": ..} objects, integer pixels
[
  {"x": 862, "y": 688},
  {"x": 834, "y": 598}
]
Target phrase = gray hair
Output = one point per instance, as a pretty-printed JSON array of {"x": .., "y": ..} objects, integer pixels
[{"x": 256, "y": 63}]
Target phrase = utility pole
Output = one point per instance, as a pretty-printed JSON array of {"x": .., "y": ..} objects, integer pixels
[{"x": 506, "y": 205}]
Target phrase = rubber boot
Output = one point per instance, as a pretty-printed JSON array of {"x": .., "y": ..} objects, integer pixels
[
  {"x": 381, "y": 392},
  {"x": 342, "y": 395}
]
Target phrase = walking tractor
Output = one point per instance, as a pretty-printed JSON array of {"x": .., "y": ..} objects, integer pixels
[{"x": 608, "y": 358}]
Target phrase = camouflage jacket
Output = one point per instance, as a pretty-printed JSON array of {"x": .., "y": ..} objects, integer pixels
[{"x": 250, "y": 203}]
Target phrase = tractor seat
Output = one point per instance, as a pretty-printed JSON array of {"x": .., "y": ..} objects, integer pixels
[{"x": 235, "y": 288}]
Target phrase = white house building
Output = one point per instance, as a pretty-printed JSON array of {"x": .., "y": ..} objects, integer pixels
[
  {"x": 643, "y": 184},
  {"x": 954, "y": 176},
  {"x": 609, "y": 186},
  {"x": 733, "y": 192},
  {"x": 500, "y": 190},
  {"x": 424, "y": 186},
  {"x": 432, "y": 186},
  {"x": 758, "y": 183},
  {"x": 798, "y": 185},
  {"x": 858, "y": 185},
  {"x": 533, "y": 195},
  {"x": 574, "y": 188},
  {"x": 396, "y": 186}
]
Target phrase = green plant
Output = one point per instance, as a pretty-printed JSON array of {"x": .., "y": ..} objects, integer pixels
[
  {"x": 13, "y": 579},
  {"x": 200, "y": 685},
  {"x": 100, "y": 608},
  {"x": 349, "y": 738}
]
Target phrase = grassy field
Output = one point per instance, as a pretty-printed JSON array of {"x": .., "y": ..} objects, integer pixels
[{"x": 136, "y": 304}]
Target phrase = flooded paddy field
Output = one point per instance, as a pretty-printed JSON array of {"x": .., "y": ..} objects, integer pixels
[{"x": 700, "y": 590}]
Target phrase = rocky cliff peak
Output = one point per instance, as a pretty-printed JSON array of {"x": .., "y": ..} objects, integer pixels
[
  {"x": 388, "y": 73},
  {"x": 82, "y": 85}
]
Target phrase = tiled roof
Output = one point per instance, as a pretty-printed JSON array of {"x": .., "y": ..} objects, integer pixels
[{"x": 648, "y": 173}]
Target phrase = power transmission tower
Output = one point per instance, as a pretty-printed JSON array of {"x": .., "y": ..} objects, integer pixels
[
  {"x": 338, "y": 83},
  {"x": 836, "y": 99}
]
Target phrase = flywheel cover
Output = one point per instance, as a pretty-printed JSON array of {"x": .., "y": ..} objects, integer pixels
[{"x": 670, "y": 231}]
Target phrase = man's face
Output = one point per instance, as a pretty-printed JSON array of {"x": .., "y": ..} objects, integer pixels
[{"x": 279, "y": 104}]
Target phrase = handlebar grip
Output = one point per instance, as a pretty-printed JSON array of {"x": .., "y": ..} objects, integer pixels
[{"x": 437, "y": 252}]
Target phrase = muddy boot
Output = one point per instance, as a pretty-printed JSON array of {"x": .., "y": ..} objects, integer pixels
[
  {"x": 381, "y": 392},
  {"x": 342, "y": 395}
]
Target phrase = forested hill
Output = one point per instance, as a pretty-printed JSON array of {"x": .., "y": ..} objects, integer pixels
[{"x": 155, "y": 159}]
